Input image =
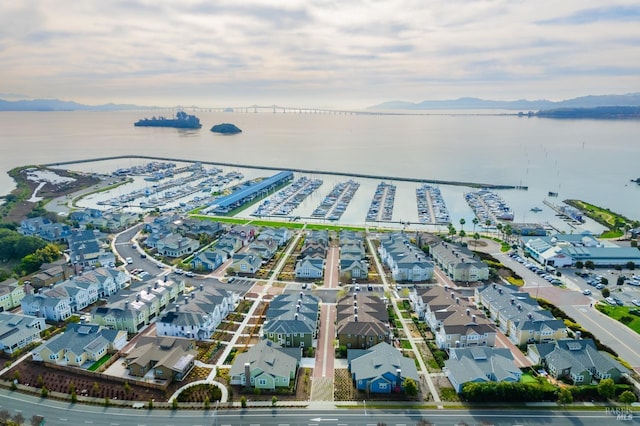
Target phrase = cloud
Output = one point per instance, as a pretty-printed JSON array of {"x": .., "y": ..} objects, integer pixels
[
  {"x": 316, "y": 50},
  {"x": 616, "y": 13}
]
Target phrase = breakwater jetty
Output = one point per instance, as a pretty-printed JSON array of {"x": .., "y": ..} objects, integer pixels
[{"x": 298, "y": 170}]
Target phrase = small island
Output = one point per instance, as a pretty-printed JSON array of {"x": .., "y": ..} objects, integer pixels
[
  {"x": 182, "y": 121},
  {"x": 226, "y": 129}
]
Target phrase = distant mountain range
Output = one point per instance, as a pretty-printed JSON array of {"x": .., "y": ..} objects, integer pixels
[
  {"x": 58, "y": 105},
  {"x": 630, "y": 99}
]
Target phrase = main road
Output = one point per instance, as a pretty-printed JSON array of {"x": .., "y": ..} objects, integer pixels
[{"x": 57, "y": 413}]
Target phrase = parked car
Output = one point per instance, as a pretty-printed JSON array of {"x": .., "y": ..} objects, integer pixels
[
  {"x": 586, "y": 292},
  {"x": 600, "y": 286},
  {"x": 129, "y": 260},
  {"x": 179, "y": 271},
  {"x": 636, "y": 302},
  {"x": 190, "y": 274}
]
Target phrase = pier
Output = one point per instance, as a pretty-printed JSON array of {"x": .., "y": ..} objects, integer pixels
[{"x": 298, "y": 170}]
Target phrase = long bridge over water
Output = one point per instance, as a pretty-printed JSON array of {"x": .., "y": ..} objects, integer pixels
[
  {"x": 298, "y": 170},
  {"x": 277, "y": 109}
]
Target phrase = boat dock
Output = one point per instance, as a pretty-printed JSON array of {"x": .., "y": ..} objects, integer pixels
[
  {"x": 381, "y": 208},
  {"x": 571, "y": 215},
  {"x": 283, "y": 202},
  {"x": 431, "y": 207},
  {"x": 336, "y": 202}
]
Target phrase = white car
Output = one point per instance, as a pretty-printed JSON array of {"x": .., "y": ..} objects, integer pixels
[
  {"x": 586, "y": 292},
  {"x": 635, "y": 302},
  {"x": 129, "y": 260}
]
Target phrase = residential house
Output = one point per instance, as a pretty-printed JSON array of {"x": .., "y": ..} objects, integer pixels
[
  {"x": 407, "y": 262},
  {"x": 210, "y": 260},
  {"x": 162, "y": 358},
  {"x": 455, "y": 321},
  {"x": 381, "y": 369},
  {"x": 17, "y": 331},
  {"x": 133, "y": 308},
  {"x": 279, "y": 235},
  {"x": 267, "y": 365},
  {"x": 292, "y": 320},
  {"x": 48, "y": 276},
  {"x": 480, "y": 365},
  {"x": 310, "y": 267},
  {"x": 11, "y": 294},
  {"x": 81, "y": 345},
  {"x": 246, "y": 263},
  {"x": 198, "y": 314},
  {"x": 312, "y": 249},
  {"x": 518, "y": 315},
  {"x": 353, "y": 264},
  {"x": 459, "y": 263},
  {"x": 42, "y": 306},
  {"x": 362, "y": 321},
  {"x": 265, "y": 248},
  {"x": 576, "y": 359},
  {"x": 175, "y": 245},
  {"x": 30, "y": 227}
]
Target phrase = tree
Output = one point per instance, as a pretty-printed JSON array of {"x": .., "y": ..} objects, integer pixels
[
  {"x": 620, "y": 281},
  {"x": 565, "y": 396},
  {"x": 18, "y": 419},
  {"x": 462, "y": 222},
  {"x": 607, "y": 388},
  {"x": 44, "y": 392},
  {"x": 589, "y": 265},
  {"x": 410, "y": 387},
  {"x": 462, "y": 234},
  {"x": 207, "y": 403},
  {"x": 631, "y": 265},
  {"x": 627, "y": 397},
  {"x": 243, "y": 402},
  {"x": 475, "y": 221},
  {"x": 606, "y": 292},
  {"x": 476, "y": 237},
  {"x": 274, "y": 400},
  {"x": 579, "y": 264},
  {"x": 127, "y": 388},
  {"x": 174, "y": 404}
]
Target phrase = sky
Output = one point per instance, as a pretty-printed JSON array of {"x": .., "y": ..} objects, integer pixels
[{"x": 316, "y": 53}]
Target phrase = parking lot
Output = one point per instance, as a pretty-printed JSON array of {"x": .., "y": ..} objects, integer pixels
[{"x": 623, "y": 285}]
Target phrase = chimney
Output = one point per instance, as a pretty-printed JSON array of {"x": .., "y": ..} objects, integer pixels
[
  {"x": 138, "y": 297},
  {"x": 513, "y": 301},
  {"x": 201, "y": 287},
  {"x": 578, "y": 334},
  {"x": 495, "y": 285},
  {"x": 446, "y": 287},
  {"x": 247, "y": 375},
  {"x": 519, "y": 307},
  {"x": 295, "y": 317},
  {"x": 473, "y": 318},
  {"x": 301, "y": 294},
  {"x": 468, "y": 311},
  {"x": 453, "y": 295},
  {"x": 193, "y": 294},
  {"x": 149, "y": 289},
  {"x": 186, "y": 300},
  {"x": 458, "y": 300},
  {"x": 398, "y": 376},
  {"x": 165, "y": 278},
  {"x": 355, "y": 317},
  {"x": 155, "y": 285},
  {"x": 126, "y": 305},
  {"x": 177, "y": 308},
  {"x": 298, "y": 308}
]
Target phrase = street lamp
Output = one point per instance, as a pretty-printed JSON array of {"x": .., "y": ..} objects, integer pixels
[{"x": 365, "y": 406}]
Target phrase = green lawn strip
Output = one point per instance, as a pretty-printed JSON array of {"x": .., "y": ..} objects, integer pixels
[
  {"x": 622, "y": 314},
  {"x": 528, "y": 378},
  {"x": 613, "y": 221},
  {"x": 99, "y": 362},
  {"x": 406, "y": 344}
]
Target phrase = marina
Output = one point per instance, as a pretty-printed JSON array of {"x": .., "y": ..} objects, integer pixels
[
  {"x": 336, "y": 202},
  {"x": 381, "y": 208},
  {"x": 286, "y": 200},
  {"x": 571, "y": 215},
  {"x": 431, "y": 206},
  {"x": 488, "y": 207}
]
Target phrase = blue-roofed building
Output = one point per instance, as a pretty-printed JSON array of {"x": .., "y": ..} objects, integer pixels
[{"x": 248, "y": 193}]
